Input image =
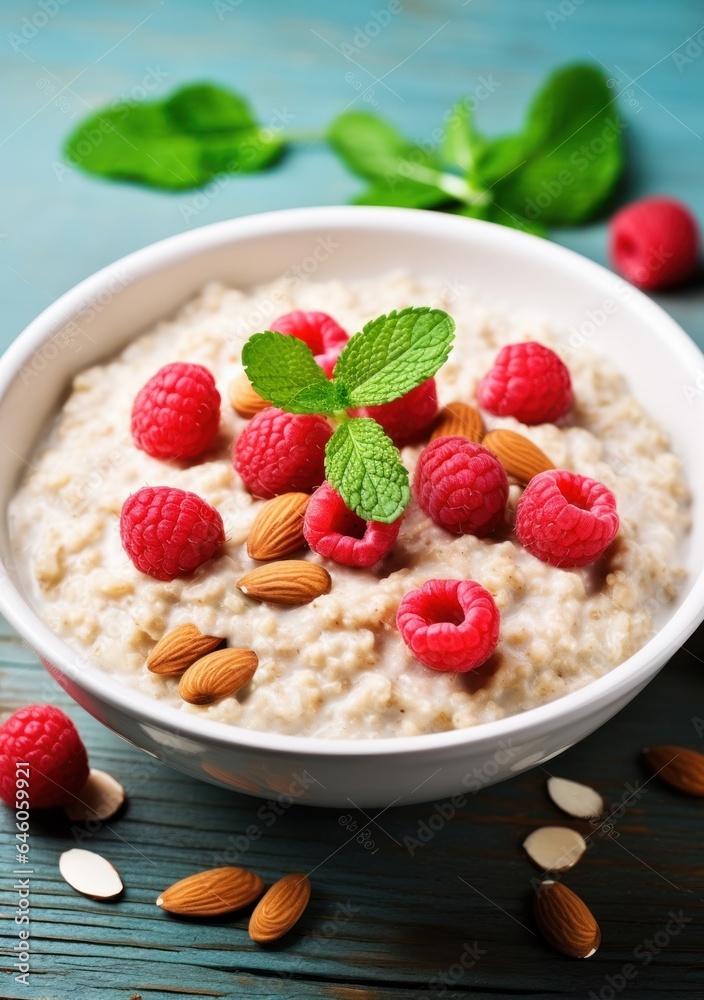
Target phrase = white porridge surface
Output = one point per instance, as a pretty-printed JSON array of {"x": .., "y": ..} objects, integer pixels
[{"x": 338, "y": 667}]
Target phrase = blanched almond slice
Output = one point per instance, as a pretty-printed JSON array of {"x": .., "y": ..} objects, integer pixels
[
  {"x": 244, "y": 399},
  {"x": 554, "y": 848},
  {"x": 179, "y": 648},
  {"x": 212, "y": 893},
  {"x": 461, "y": 420},
  {"x": 520, "y": 457},
  {"x": 217, "y": 675},
  {"x": 575, "y": 799},
  {"x": 565, "y": 921},
  {"x": 100, "y": 798},
  {"x": 280, "y": 908},
  {"x": 90, "y": 874},
  {"x": 290, "y": 581},
  {"x": 277, "y": 529}
]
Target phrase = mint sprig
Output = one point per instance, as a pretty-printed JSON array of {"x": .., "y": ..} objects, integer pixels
[{"x": 390, "y": 356}]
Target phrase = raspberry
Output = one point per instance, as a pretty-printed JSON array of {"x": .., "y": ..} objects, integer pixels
[
  {"x": 334, "y": 531},
  {"x": 168, "y": 532},
  {"x": 654, "y": 243},
  {"x": 566, "y": 520},
  {"x": 449, "y": 624},
  {"x": 320, "y": 332},
  {"x": 461, "y": 485},
  {"x": 44, "y": 738},
  {"x": 407, "y": 419},
  {"x": 528, "y": 382},
  {"x": 280, "y": 452},
  {"x": 177, "y": 413}
]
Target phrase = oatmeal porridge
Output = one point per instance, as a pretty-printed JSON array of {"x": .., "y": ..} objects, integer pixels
[{"x": 337, "y": 666}]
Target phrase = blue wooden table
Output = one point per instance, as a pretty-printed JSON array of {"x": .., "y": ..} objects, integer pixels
[{"x": 393, "y": 921}]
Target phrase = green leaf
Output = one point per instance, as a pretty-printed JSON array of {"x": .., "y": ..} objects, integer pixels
[
  {"x": 393, "y": 354},
  {"x": 176, "y": 144},
  {"x": 364, "y": 466},
  {"x": 403, "y": 195},
  {"x": 462, "y": 144},
  {"x": 565, "y": 163},
  {"x": 282, "y": 369},
  {"x": 493, "y": 213}
]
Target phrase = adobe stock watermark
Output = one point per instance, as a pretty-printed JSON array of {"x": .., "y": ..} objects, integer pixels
[
  {"x": 365, "y": 34},
  {"x": 224, "y": 7},
  {"x": 32, "y": 24},
  {"x": 694, "y": 391},
  {"x": 563, "y": 12},
  {"x": 689, "y": 51},
  {"x": 450, "y": 977}
]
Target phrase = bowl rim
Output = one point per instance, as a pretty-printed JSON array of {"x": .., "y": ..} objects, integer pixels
[{"x": 152, "y": 713}]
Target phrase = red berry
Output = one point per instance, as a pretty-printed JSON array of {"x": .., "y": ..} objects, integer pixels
[
  {"x": 320, "y": 332},
  {"x": 566, "y": 520},
  {"x": 177, "y": 413},
  {"x": 334, "y": 531},
  {"x": 449, "y": 624},
  {"x": 45, "y": 739},
  {"x": 168, "y": 532},
  {"x": 407, "y": 419},
  {"x": 461, "y": 485},
  {"x": 654, "y": 242},
  {"x": 528, "y": 382},
  {"x": 280, "y": 452}
]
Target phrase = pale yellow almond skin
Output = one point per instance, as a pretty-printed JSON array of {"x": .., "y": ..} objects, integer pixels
[
  {"x": 288, "y": 581},
  {"x": 565, "y": 921},
  {"x": 680, "y": 767},
  {"x": 459, "y": 420},
  {"x": 280, "y": 908},
  {"x": 520, "y": 457},
  {"x": 217, "y": 675},
  {"x": 212, "y": 893},
  {"x": 277, "y": 529},
  {"x": 244, "y": 399},
  {"x": 179, "y": 648}
]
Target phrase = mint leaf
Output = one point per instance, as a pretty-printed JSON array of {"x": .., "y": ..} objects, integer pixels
[
  {"x": 283, "y": 370},
  {"x": 462, "y": 144},
  {"x": 393, "y": 354},
  {"x": 365, "y": 468},
  {"x": 176, "y": 144},
  {"x": 494, "y": 213}
]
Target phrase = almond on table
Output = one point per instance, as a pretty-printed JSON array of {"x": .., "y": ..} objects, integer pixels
[
  {"x": 280, "y": 908},
  {"x": 565, "y": 921},
  {"x": 212, "y": 893}
]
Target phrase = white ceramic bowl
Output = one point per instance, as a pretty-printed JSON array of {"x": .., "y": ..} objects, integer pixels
[{"x": 582, "y": 300}]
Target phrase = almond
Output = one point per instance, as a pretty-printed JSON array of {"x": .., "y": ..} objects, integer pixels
[
  {"x": 179, "y": 648},
  {"x": 565, "y": 921},
  {"x": 212, "y": 893},
  {"x": 520, "y": 457},
  {"x": 289, "y": 581},
  {"x": 244, "y": 399},
  {"x": 90, "y": 874},
  {"x": 280, "y": 908},
  {"x": 100, "y": 799},
  {"x": 217, "y": 675},
  {"x": 461, "y": 420},
  {"x": 554, "y": 848},
  {"x": 575, "y": 799},
  {"x": 678, "y": 766},
  {"x": 278, "y": 527}
]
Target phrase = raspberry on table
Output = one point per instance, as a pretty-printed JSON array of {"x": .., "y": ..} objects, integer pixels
[
  {"x": 449, "y": 624},
  {"x": 320, "y": 332},
  {"x": 168, "y": 532},
  {"x": 281, "y": 452},
  {"x": 44, "y": 738},
  {"x": 406, "y": 420},
  {"x": 529, "y": 382},
  {"x": 566, "y": 520},
  {"x": 176, "y": 414},
  {"x": 654, "y": 242},
  {"x": 334, "y": 531},
  {"x": 461, "y": 486}
]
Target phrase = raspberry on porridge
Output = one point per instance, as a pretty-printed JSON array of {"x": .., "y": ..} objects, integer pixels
[{"x": 481, "y": 568}]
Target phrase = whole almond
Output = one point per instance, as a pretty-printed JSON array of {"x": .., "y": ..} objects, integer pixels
[
  {"x": 179, "y": 648},
  {"x": 212, "y": 893},
  {"x": 459, "y": 419},
  {"x": 244, "y": 399},
  {"x": 280, "y": 908},
  {"x": 217, "y": 675},
  {"x": 565, "y": 921},
  {"x": 278, "y": 527},
  {"x": 678, "y": 766},
  {"x": 520, "y": 457},
  {"x": 289, "y": 581}
]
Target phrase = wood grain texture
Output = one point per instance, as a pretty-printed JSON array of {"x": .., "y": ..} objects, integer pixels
[{"x": 382, "y": 923}]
